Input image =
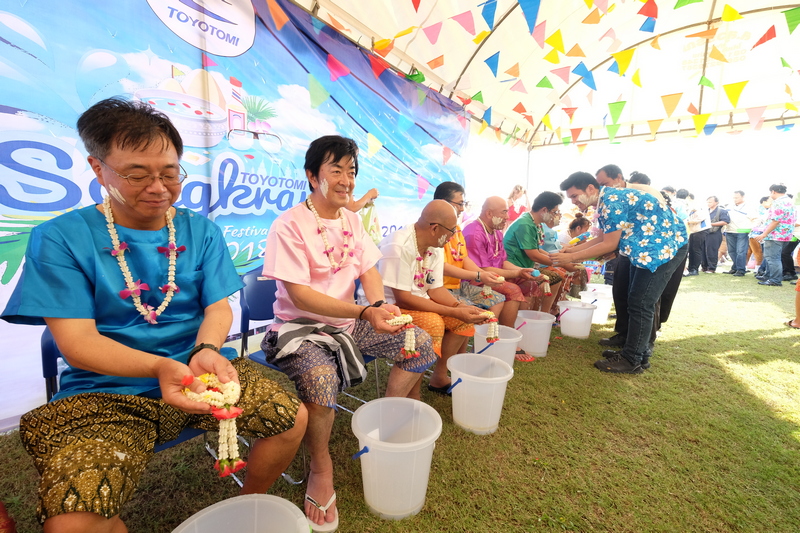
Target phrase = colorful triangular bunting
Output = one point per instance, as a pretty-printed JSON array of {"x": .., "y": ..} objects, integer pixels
[
  {"x": 624, "y": 60},
  {"x": 615, "y": 108},
  {"x": 670, "y": 102},
  {"x": 716, "y": 54},
  {"x": 576, "y": 51},
  {"x": 766, "y": 37},
  {"x": 277, "y": 14},
  {"x": 649, "y": 25},
  {"x": 545, "y": 83},
  {"x": 466, "y": 21},
  {"x": 729, "y": 14},
  {"x": 612, "y": 131},
  {"x": 700, "y": 121},
  {"x": 556, "y": 41},
  {"x": 336, "y": 68},
  {"x": 492, "y": 62},
  {"x": 432, "y": 32},
  {"x": 316, "y": 92},
  {"x": 734, "y": 91}
]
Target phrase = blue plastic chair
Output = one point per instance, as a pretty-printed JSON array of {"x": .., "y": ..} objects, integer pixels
[
  {"x": 50, "y": 356},
  {"x": 256, "y": 299}
]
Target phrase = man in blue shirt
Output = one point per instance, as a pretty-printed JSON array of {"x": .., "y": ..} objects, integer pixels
[{"x": 649, "y": 233}]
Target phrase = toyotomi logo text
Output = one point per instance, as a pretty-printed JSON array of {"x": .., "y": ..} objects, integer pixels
[{"x": 220, "y": 27}]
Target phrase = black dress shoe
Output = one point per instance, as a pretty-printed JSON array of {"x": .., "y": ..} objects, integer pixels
[
  {"x": 738, "y": 274},
  {"x": 440, "y": 390},
  {"x": 729, "y": 272},
  {"x": 615, "y": 341},
  {"x": 770, "y": 283},
  {"x": 692, "y": 273}
]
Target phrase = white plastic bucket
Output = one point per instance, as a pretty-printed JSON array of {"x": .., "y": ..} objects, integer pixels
[
  {"x": 576, "y": 318},
  {"x": 535, "y": 327},
  {"x": 603, "y": 302},
  {"x": 504, "y": 349},
  {"x": 480, "y": 389},
  {"x": 598, "y": 287},
  {"x": 256, "y": 513},
  {"x": 396, "y": 437}
]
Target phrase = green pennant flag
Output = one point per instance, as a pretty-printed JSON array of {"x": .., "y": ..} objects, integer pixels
[
  {"x": 317, "y": 92},
  {"x": 417, "y": 76},
  {"x": 421, "y": 96},
  {"x": 615, "y": 109},
  {"x": 508, "y": 138},
  {"x": 566, "y": 140},
  {"x": 612, "y": 131},
  {"x": 705, "y": 81},
  {"x": 545, "y": 83},
  {"x": 785, "y": 64},
  {"x": 682, "y": 3},
  {"x": 478, "y": 97},
  {"x": 792, "y": 18}
]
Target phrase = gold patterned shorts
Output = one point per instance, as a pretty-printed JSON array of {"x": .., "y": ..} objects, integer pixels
[{"x": 91, "y": 448}]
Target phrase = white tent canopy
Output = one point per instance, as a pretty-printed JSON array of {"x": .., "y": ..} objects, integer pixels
[{"x": 553, "y": 71}]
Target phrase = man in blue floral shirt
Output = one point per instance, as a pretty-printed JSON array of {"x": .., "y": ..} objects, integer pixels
[
  {"x": 649, "y": 233},
  {"x": 780, "y": 225}
]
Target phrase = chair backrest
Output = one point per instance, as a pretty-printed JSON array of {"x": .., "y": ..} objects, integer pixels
[{"x": 256, "y": 299}]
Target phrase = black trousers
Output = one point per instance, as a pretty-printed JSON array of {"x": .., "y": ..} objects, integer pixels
[
  {"x": 697, "y": 244},
  {"x": 787, "y": 258},
  {"x": 711, "y": 250}
]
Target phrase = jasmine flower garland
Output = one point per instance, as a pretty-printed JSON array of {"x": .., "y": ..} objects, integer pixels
[{"x": 410, "y": 346}]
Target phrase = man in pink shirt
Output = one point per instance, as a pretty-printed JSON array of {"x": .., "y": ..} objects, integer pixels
[{"x": 316, "y": 250}]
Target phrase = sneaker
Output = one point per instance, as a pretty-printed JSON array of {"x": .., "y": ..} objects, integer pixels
[
  {"x": 608, "y": 354},
  {"x": 692, "y": 273},
  {"x": 739, "y": 274},
  {"x": 731, "y": 271},
  {"x": 770, "y": 283},
  {"x": 617, "y": 340},
  {"x": 789, "y": 277},
  {"x": 618, "y": 365}
]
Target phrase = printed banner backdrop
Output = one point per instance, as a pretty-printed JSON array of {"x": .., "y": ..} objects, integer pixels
[{"x": 249, "y": 86}]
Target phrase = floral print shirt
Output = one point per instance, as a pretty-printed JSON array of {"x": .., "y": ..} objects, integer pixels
[
  {"x": 781, "y": 210},
  {"x": 651, "y": 234}
]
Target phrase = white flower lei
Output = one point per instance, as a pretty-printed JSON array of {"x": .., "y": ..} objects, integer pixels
[
  {"x": 134, "y": 289},
  {"x": 493, "y": 333},
  {"x": 323, "y": 231},
  {"x": 223, "y": 396},
  {"x": 410, "y": 344},
  {"x": 421, "y": 268}
]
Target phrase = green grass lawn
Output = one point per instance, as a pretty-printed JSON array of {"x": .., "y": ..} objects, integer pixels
[{"x": 707, "y": 440}]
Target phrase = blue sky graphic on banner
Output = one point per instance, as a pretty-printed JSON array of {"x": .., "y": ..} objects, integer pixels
[{"x": 246, "y": 96}]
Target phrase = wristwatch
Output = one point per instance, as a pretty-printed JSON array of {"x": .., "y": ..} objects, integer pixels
[
  {"x": 201, "y": 346},
  {"x": 478, "y": 277}
]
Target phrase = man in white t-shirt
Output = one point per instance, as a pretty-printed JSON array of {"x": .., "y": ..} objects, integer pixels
[
  {"x": 316, "y": 250},
  {"x": 412, "y": 268},
  {"x": 737, "y": 234}
]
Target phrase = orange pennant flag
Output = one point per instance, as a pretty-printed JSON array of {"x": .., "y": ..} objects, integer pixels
[
  {"x": 734, "y": 91},
  {"x": 692, "y": 109},
  {"x": 654, "y": 43},
  {"x": 336, "y": 24},
  {"x": 576, "y": 51},
  {"x": 513, "y": 71},
  {"x": 706, "y": 34},
  {"x": 670, "y": 102},
  {"x": 716, "y": 54},
  {"x": 654, "y": 125},
  {"x": 700, "y": 122},
  {"x": 569, "y": 111},
  {"x": 436, "y": 63},
  {"x": 593, "y": 18},
  {"x": 519, "y": 108},
  {"x": 766, "y": 37},
  {"x": 384, "y": 46},
  {"x": 575, "y": 133},
  {"x": 277, "y": 14}
]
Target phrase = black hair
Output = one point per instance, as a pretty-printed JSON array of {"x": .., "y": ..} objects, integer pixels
[
  {"x": 579, "y": 222},
  {"x": 740, "y": 193},
  {"x": 669, "y": 189},
  {"x": 547, "y": 200},
  {"x": 446, "y": 189},
  {"x": 329, "y": 148},
  {"x": 638, "y": 177},
  {"x": 612, "y": 171},
  {"x": 714, "y": 197},
  {"x": 779, "y": 188},
  {"x": 579, "y": 180},
  {"x": 682, "y": 194},
  {"x": 763, "y": 199},
  {"x": 125, "y": 124}
]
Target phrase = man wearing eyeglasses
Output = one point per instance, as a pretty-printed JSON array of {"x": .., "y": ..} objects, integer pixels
[
  {"x": 412, "y": 268},
  {"x": 135, "y": 293}
]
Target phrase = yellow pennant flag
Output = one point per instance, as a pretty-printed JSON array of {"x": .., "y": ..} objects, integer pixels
[
  {"x": 635, "y": 79},
  {"x": 581, "y": 148},
  {"x": 383, "y": 43},
  {"x": 654, "y": 43},
  {"x": 623, "y": 60},
  {"x": 670, "y": 102},
  {"x": 546, "y": 122},
  {"x": 700, "y": 122},
  {"x": 558, "y": 132},
  {"x": 716, "y": 54},
  {"x": 588, "y": 3},
  {"x": 791, "y": 107},
  {"x": 556, "y": 41},
  {"x": 654, "y": 125},
  {"x": 513, "y": 71},
  {"x": 373, "y": 145},
  {"x": 576, "y": 51},
  {"x": 789, "y": 91},
  {"x": 483, "y": 127},
  {"x": 481, "y": 36},
  {"x": 405, "y": 32},
  {"x": 729, "y": 14},
  {"x": 734, "y": 91},
  {"x": 552, "y": 56}
]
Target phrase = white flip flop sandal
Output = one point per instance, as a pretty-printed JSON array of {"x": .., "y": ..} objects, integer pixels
[{"x": 327, "y": 527}]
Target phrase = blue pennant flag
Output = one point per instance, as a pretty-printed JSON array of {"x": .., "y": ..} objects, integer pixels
[
  {"x": 649, "y": 25},
  {"x": 492, "y": 62}
]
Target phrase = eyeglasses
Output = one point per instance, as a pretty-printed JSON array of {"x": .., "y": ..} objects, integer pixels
[
  {"x": 450, "y": 231},
  {"x": 459, "y": 204},
  {"x": 143, "y": 180}
]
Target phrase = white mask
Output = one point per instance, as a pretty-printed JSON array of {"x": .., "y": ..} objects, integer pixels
[
  {"x": 498, "y": 222},
  {"x": 442, "y": 240},
  {"x": 323, "y": 187},
  {"x": 587, "y": 200}
]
